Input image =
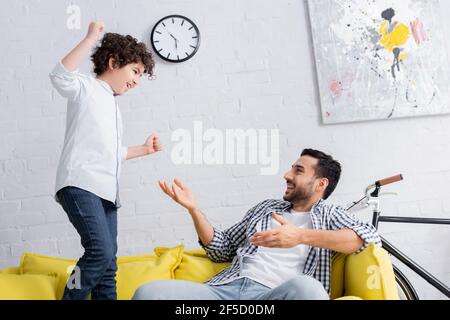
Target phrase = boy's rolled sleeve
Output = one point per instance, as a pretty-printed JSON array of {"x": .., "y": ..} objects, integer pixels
[
  {"x": 68, "y": 84},
  {"x": 341, "y": 219}
]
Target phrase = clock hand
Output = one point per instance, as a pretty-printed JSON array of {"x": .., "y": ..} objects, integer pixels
[
  {"x": 172, "y": 36},
  {"x": 176, "y": 40}
]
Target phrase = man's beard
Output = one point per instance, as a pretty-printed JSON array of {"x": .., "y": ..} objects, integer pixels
[{"x": 300, "y": 194}]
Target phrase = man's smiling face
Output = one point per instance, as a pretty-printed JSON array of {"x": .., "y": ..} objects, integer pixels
[{"x": 301, "y": 181}]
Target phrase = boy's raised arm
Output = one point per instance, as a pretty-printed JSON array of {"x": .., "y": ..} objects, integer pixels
[{"x": 74, "y": 58}]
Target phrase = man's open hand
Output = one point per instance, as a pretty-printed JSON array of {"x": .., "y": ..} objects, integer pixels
[
  {"x": 286, "y": 236},
  {"x": 180, "y": 194}
]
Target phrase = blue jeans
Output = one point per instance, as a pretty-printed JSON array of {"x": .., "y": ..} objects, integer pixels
[
  {"x": 299, "y": 288},
  {"x": 95, "y": 220}
]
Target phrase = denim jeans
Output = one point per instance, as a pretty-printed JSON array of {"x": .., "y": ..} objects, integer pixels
[
  {"x": 95, "y": 220},
  {"x": 299, "y": 288}
]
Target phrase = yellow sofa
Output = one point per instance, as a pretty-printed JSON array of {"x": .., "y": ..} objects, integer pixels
[{"x": 366, "y": 276}]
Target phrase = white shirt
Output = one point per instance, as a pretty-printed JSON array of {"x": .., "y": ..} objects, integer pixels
[
  {"x": 92, "y": 154},
  {"x": 274, "y": 266}
]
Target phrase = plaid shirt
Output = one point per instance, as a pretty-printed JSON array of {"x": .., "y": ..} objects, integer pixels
[{"x": 233, "y": 244}]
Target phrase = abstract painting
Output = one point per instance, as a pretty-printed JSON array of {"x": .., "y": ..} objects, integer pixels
[{"x": 379, "y": 59}]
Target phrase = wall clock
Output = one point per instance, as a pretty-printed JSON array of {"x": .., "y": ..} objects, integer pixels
[{"x": 175, "y": 38}]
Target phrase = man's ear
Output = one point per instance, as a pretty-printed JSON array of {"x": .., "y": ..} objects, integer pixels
[{"x": 323, "y": 184}]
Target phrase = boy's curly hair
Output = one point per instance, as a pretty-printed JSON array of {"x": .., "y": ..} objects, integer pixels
[{"x": 124, "y": 50}]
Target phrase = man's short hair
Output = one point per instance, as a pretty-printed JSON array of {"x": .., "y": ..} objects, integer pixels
[{"x": 326, "y": 167}]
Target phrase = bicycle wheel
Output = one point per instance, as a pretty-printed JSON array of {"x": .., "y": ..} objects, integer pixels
[{"x": 405, "y": 289}]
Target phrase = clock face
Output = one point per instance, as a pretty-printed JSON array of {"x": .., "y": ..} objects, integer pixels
[{"x": 175, "y": 38}]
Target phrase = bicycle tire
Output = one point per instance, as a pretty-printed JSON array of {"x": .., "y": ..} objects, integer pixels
[{"x": 405, "y": 290}]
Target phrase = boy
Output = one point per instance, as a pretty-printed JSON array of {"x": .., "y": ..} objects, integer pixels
[{"x": 87, "y": 182}]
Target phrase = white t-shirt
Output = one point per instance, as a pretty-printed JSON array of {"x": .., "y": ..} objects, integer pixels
[
  {"x": 92, "y": 154},
  {"x": 273, "y": 266}
]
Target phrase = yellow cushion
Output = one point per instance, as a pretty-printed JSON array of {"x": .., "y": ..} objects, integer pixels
[
  {"x": 337, "y": 275},
  {"x": 349, "y": 298},
  {"x": 131, "y": 275},
  {"x": 39, "y": 264},
  {"x": 126, "y": 259},
  {"x": 370, "y": 275},
  {"x": 196, "y": 266},
  {"x": 132, "y": 271},
  {"x": 27, "y": 287},
  {"x": 12, "y": 270}
]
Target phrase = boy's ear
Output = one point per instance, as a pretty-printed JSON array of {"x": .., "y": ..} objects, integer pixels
[{"x": 111, "y": 64}]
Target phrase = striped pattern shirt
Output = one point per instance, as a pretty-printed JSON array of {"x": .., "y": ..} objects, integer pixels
[{"x": 233, "y": 243}]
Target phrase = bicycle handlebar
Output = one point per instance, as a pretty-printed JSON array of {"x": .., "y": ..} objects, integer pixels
[
  {"x": 373, "y": 190},
  {"x": 390, "y": 180}
]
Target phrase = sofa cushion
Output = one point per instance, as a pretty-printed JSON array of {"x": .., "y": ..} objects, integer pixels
[
  {"x": 28, "y": 287},
  {"x": 132, "y": 271},
  {"x": 370, "y": 275},
  {"x": 348, "y": 298},
  {"x": 133, "y": 274},
  {"x": 39, "y": 264},
  {"x": 337, "y": 275},
  {"x": 195, "y": 266}
]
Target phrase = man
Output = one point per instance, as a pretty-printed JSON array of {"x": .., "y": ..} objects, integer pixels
[{"x": 280, "y": 250}]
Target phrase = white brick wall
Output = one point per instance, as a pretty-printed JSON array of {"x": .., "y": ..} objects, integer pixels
[{"x": 255, "y": 69}]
